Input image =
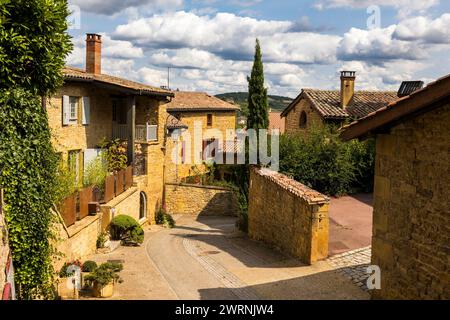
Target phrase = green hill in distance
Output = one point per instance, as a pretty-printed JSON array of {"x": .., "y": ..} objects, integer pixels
[{"x": 276, "y": 103}]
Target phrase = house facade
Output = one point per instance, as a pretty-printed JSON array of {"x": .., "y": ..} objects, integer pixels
[
  {"x": 205, "y": 126},
  {"x": 411, "y": 217},
  {"x": 319, "y": 107}
]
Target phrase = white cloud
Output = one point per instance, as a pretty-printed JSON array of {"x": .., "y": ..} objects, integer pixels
[
  {"x": 424, "y": 29},
  {"x": 230, "y": 36},
  {"x": 377, "y": 45},
  {"x": 404, "y": 7},
  {"x": 113, "y": 7}
]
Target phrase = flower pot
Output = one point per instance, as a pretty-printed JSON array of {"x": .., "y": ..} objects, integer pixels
[
  {"x": 103, "y": 292},
  {"x": 65, "y": 291}
]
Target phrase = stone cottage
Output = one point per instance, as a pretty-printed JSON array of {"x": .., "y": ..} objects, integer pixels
[
  {"x": 411, "y": 217},
  {"x": 206, "y": 125},
  {"x": 318, "y": 107}
]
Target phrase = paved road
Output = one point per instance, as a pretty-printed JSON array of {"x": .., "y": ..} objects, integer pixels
[{"x": 207, "y": 258}]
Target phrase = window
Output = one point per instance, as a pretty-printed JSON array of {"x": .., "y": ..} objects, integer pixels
[
  {"x": 209, "y": 120},
  {"x": 303, "y": 119},
  {"x": 73, "y": 108}
]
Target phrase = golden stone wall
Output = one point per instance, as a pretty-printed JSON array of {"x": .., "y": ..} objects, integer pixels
[
  {"x": 293, "y": 118},
  {"x": 200, "y": 200},
  {"x": 411, "y": 217},
  {"x": 286, "y": 214}
]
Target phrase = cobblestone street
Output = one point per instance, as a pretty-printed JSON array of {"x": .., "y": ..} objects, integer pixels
[{"x": 353, "y": 265}]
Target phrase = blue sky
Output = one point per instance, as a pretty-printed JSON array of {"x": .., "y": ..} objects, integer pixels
[{"x": 209, "y": 43}]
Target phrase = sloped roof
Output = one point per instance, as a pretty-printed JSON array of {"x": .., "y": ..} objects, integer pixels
[
  {"x": 328, "y": 103},
  {"x": 71, "y": 73},
  {"x": 174, "y": 123},
  {"x": 418, "y": 102},
  {"x": 198, "y": 101}
]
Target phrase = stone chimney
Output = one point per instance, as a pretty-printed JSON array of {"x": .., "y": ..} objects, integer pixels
[
  {"x": 347, "y": 88},
  {"x": 93, "y": 53}
]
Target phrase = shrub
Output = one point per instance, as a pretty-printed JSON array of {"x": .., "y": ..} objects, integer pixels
[
  {"x": 89, "y": 266},
  {"x": 101, "y": 240},
  {"x": 96, "y": 172},
  {"x": 325, "y": 163},
  {"x": 115, "y": 154},
  {"x": 165, "y": 219},
  {"x": 126, "y": 229},
  {"x": 105, "y": 274},
  {"x": 64, "y": 273}
]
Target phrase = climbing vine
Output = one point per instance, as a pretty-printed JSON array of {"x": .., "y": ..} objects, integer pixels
[
  {"x": 28, "y": 165},
  {"x": 33, "y": 46}
]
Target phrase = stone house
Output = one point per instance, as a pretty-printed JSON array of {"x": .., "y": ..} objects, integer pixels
[
  {"x": 276, "y": 122},
  {"x": 411, "y": 217},
  {"x": 91, "y": 107},
  {"x": 206, "y": 125},
  {"x": 318, "y": 107}
]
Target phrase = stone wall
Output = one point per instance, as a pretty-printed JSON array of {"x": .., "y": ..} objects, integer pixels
[
  {"x": 193, "y": 199},
  {"x": 80, "y": 240},
  {"x": 287, "y": 215},
  {"x": 293, "y": 118},
  {"x": 411, "y": 229}
]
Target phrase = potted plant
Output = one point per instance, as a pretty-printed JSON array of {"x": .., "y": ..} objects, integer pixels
[
  {"x": 103, "y": 278},
  {"x": 68, "y": 288}
]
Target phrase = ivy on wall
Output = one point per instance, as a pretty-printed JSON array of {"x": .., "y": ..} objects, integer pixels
[{"x": 33, "y": 46}]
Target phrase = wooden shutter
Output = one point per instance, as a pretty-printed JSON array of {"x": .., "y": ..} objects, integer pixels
[
  {"x": 66, "y": 111},
  {"x": 85, "y": 110}
]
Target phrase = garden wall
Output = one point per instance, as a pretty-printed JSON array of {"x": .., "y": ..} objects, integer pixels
[
  {"x": 192, "y": 199},
  {"x": 288, "y": 215}
]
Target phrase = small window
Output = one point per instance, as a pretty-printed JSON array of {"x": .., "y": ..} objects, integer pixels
[
  {"x": 303, "y": 119},
  {"x": 209, "y": 120},
  {"x": 73, "y": 111},
  {"x": 143, "y": 206}
]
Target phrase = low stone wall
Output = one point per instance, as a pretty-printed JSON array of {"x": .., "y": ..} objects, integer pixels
[
  {"x": 80, "y": 240},
  {"x": 191, "y": 199},
  {"x": 288, "y": 215}
]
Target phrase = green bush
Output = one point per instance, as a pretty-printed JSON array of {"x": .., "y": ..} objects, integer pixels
[
  {"x": 325, "y": 163},
  {"x": 115, "y": 154},
  {"x": 164, "y": 219},
  {"x": 126, "y": 229},
  {"x": 105, "y": 274},
  {"x": 89, "y": 266},
  {"x": 101, "y": 240}
]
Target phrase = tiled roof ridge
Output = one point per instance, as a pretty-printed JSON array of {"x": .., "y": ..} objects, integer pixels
[{"x": 309, "y": 195}]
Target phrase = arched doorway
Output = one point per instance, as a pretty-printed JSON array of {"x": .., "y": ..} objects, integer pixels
[{"x": 143, "y": 206}]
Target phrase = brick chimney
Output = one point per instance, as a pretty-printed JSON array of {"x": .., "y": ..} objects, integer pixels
[
  {"x": 347, "y": 88},
  {"x": 93, "y": 53}
]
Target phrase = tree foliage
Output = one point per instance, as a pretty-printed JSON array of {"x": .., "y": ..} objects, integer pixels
[
  {"x": 325, "y": 163},
  {"x": 33, "y": 46},
  {"x": 258, "y": 107}
]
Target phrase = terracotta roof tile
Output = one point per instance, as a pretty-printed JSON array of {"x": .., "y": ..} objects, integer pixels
[
  {"x": 328, "y": 103},
  {"x": 364, "y": 102},
  {"x": 174, "y": 123},
  {"x": 75, "y": 73},
  {"x": 197, "y": 101}
]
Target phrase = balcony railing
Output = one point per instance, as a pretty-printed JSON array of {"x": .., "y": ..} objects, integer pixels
[{"x": 144, "y": 133}]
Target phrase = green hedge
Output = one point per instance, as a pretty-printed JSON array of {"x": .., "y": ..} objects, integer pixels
[{"x": 325, "y": 163}]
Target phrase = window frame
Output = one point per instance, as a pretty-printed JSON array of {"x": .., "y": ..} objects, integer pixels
[
  {"x": 76, "y": 118},
  {"x": 303, "y": 121},
  {"x": 209, "y": 120}
]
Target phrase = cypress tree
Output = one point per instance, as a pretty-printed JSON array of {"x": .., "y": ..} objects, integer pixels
[{"x": 258, "y": 117}]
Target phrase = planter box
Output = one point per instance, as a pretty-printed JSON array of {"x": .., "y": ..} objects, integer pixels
[
  {"x": 64, "y": 291},
  {"x": 103, "y": 292}
]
